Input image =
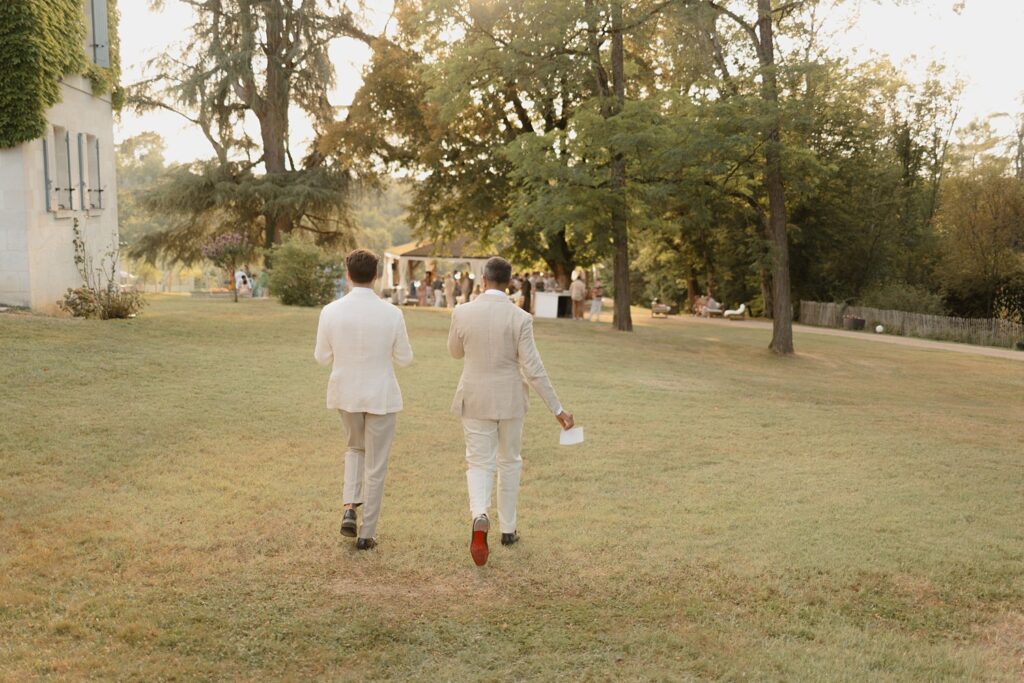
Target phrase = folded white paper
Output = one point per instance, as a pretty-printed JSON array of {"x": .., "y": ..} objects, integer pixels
[{"x": 571, "y": 437}]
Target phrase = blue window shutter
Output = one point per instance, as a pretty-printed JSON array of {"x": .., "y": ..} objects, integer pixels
[
  {"x": 100, "y": 33},
  {"x": 47, "y": 183},
  {"x": 99, "y": 187},
  {"x": 81, "y": 171},
  {"x": 70, "y": 188}
]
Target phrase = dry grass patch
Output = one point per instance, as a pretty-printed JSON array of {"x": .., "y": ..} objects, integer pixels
[{"x": 171, "y": 489}]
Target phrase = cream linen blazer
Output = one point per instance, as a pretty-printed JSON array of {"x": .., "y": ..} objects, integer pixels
[
  {"x": 495, "y": 337},
  {"x": 361, "y": 336}
]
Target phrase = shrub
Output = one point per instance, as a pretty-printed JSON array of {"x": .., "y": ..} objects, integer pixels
[
  {"x": 80, "y": 303},
  {"x": 303, "y": 274},
  {"x": 118, "y": 304},
  {"x": 109, "y": 304},
  {"x": 900, "y": 296},
  {"x": 99, "y": 297}
]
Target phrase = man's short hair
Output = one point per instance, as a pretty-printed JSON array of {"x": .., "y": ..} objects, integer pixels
[
  {"x": 361, "y": 265},
  {"x": 498, "y": 270}
]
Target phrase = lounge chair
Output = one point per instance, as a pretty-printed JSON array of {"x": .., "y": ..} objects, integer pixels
[
  {"x": 736, "y": 313},
  {"x": 660, "y": 310}
]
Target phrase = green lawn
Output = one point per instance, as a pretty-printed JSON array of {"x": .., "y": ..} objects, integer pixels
[{"x": 170, "y": 496}]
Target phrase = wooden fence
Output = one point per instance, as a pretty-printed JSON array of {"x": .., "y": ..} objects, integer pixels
[{"x": 982, "y": 331}]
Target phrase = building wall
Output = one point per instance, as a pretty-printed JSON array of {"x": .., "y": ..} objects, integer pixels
[
  {"x": 36, "y": 251},
  {"x": 14, "y": 281}
]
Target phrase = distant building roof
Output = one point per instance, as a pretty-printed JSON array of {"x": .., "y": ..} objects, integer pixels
[{"x": 459, "y": 248}]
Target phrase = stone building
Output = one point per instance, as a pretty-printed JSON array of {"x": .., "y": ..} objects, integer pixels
[{"x": 67, "y": 174}]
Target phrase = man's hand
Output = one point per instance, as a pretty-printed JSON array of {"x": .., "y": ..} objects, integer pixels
[{"x": 565, "y": 419}]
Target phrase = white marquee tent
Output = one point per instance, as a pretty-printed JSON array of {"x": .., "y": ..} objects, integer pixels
[{"x": 399, "y": 261}]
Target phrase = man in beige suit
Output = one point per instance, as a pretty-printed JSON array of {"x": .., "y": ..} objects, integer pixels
[
  {"x": 495, "y": 338},
  {"x": 362, "y": 337}
]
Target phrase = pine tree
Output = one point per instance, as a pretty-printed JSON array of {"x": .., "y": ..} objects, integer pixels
[{"x": 255, "y": 58}]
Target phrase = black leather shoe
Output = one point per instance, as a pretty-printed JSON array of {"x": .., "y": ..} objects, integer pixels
[
  {"x": 348, "y": 523},
  {"x": 478, "y": 542},
  {"x": 509, "y": 539},
  {"x": 366, "y": 544}
]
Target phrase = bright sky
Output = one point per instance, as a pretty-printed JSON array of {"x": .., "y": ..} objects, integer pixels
[{"x": 978, "y": 44}]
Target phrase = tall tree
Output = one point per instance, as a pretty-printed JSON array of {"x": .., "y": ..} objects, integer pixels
[
  {"x": 980, "y": 222},
  {"x": 613, "y": 99},
  {"x": 459, "y": 83},
  {"x": 258, "y": 58},
  {"x": 502, "y": 140},
  {"x": 761, "y": 34}
]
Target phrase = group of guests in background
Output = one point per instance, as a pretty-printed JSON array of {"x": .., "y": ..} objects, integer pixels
[
  {"x": 706, "y": 306},
  {"x": 451, "y": 289},
  {"x": 524, "y": 288},
  {"x": 579, "y": 293},
  {"x": 444, "y": 291}
]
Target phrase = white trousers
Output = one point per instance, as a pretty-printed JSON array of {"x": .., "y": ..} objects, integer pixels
[
  {"x": 366, "y": 463},
  {"x": 494, "y": 446}
]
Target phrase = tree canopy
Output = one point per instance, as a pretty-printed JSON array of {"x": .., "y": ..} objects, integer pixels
[
  {"x": 259, "y": 59},
  {"x": 689, "y": 146}
]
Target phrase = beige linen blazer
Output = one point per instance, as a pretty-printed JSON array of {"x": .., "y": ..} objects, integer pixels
[
  {"x": 362, "y": 336},
  {"x": 495, "y": 337},
  {"x": 578, "y": 290}
]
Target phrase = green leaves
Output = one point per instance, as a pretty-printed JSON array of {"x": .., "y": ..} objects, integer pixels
[
  {"x": 207, "y": 198},
  {"x": 40, "y": 42},
  {"x": 303, "y": 274},
  {"x": 254, "y": 59}
]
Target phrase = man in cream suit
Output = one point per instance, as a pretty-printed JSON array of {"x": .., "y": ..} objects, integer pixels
[
  {"x": 361, "y": 336},
  {"x": 495, "y": 338}
]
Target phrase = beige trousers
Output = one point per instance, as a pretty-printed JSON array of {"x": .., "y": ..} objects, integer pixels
[
  {"x": 577, "y": 309},
  {"x": 494, "y": 446},
  {"x": 366, "y": 463}
]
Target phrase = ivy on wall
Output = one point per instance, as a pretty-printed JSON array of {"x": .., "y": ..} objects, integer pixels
[{"x": 41, "y": 41}]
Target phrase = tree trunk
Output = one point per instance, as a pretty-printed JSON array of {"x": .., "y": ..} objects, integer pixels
[
  {"x": 709, "y": 276},
  {"x": 691, "y": 291},
  {"x": 274, "y": 131},
  {"x": 612, "y": 101},
  {"x": 782, "y": 307},
  {"x": 562, "y": 273},
  {"x": 622, "y": 318},
  {"x": 766, "y": 291},
  {"x": 560, "y": 258},
  {"x": 272, "y": 112}
]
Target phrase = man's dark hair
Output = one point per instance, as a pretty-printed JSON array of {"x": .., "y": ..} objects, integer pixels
[
  {"x": 361, "y": 265},
  {"x": 498, "y": 270}
]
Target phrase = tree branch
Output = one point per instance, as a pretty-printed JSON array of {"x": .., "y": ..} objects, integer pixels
[{"x": 747, "y": 27}]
